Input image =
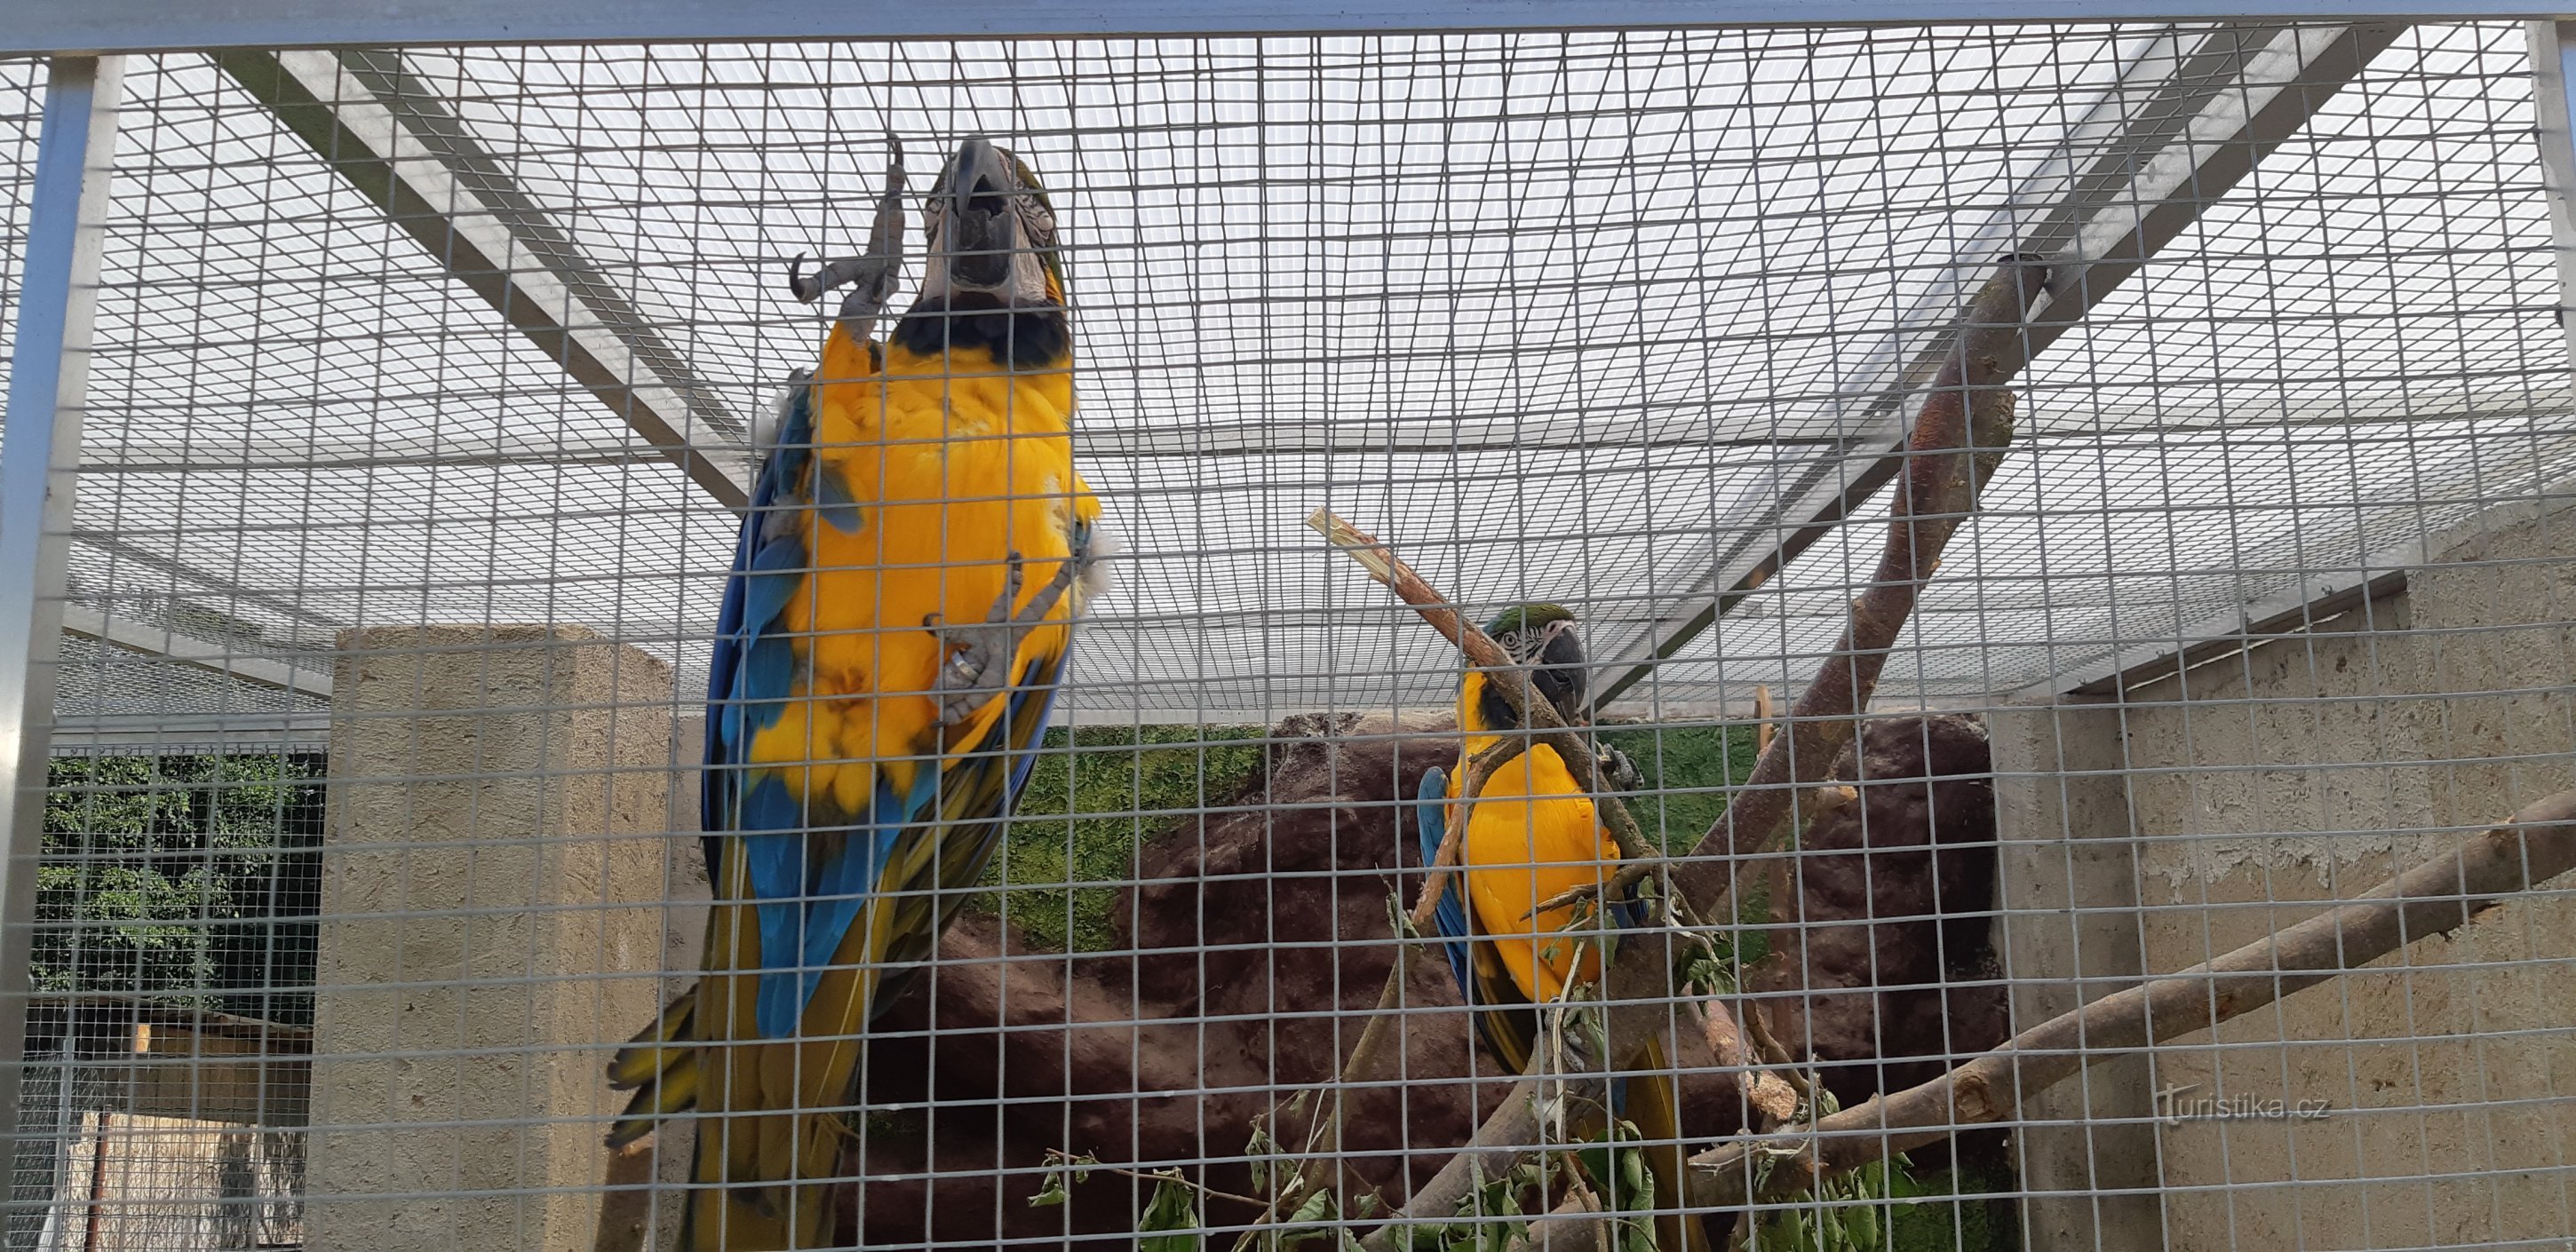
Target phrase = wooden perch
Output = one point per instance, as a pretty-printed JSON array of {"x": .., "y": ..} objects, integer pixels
[
  {"x": 1958, "y": 440},
  {"x": 1512, "y": 679},
  {"x": 2434, "y": 898}
]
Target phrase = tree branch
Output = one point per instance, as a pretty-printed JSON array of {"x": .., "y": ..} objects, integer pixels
[
  {"x": 1512, "y": 680},
  {"x": 1538, "y": 717},
  {"x": 2433, "y": 898},
  {"x": 1958, "y": 439}
]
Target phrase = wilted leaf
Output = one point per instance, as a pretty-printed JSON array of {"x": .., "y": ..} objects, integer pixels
[
  {"x": 1307, "y": 1222},
  {"x": 1173, "y": 1208}
]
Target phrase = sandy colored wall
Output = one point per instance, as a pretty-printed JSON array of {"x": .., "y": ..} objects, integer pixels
[
  {"x": 492, "y": 926},
  {"x": 2227, "y": 801}
]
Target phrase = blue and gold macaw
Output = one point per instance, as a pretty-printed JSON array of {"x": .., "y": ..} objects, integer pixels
[
  {"x": 890, "y": 645},
  {"x": 1532, "y": 834}
]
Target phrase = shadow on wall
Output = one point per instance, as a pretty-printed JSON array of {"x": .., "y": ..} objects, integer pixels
[{"x": 1238, "y": 967}]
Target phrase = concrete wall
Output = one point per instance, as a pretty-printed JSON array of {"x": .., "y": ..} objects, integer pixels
[
  {"x": 492, "y": 926},
  {"x": 2248, "y": 789}
]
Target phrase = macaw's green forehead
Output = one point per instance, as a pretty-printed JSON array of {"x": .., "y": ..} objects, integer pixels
[{"x": 1521, "y": 618}]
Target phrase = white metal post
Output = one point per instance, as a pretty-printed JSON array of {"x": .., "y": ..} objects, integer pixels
[
  {"x": 39, "y": 448},
  {"x": 2553, "y": 75}
]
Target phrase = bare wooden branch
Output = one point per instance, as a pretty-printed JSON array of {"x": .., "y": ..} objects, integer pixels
[
  {"x": 1512, "y": 680},
  {"x": 1577, "y": 1223},
  {"x": 1766, "y": 1094},
  {"x": 1957, "y": 438},
  {"x": 1510, "y": 677},
  {"x": 2433, "y": 898},
  {"x": 1390, "y": 570}
]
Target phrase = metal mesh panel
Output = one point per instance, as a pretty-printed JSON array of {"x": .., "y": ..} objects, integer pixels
[{"x": 390, "y": 610}]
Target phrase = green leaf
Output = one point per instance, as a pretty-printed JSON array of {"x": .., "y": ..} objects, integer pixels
[
  {"x": 1257, "y": 1151},
  {"x": 1398, "y": 920},
  {"x": 1901, "y": 1182},
  {"x": 1860, "y": 1226},
  {"x": 1637, "y": 1234},
  {"x": 1308, "y": 1221},
  {"x": 1595, "y": 1161},
  {"x": 1063, "y": 1168},
  {"x": 1173, "y": 1208}
]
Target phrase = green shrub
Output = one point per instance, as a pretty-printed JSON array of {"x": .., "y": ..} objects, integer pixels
[{"x": 191, "y": 879}]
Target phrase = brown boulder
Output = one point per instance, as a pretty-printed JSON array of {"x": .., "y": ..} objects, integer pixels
[{"x": 1892, "y": 979}]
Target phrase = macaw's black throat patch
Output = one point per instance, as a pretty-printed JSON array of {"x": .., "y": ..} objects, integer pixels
[{"x": 1019, "y": 339}]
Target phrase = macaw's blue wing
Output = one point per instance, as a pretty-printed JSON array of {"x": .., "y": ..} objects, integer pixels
[
  {"x": 1431, "y": 823},
  {"x": 923, "y": 834},
  {"x": 1504, "y": 1017},
  {"x": 809, "y": 872}
]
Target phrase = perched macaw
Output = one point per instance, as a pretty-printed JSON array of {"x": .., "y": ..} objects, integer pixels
[
  {"x": 1532, "y": 834},
  {"x": 889, "y": 648}
]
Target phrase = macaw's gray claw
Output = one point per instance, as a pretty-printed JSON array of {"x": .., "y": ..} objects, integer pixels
[
  {"x": 1618, "y": 771},
  {"x": 871, "y": 276},
  {"x": 981, "y": 668}
]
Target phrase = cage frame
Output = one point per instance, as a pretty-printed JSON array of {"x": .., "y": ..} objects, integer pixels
[{"x": 328, "y": 93}]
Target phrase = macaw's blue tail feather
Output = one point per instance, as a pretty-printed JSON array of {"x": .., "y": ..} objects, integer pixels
[{"x": 808, "y": 908}]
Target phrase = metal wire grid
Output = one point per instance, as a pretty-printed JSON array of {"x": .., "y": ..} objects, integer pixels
[
  {"x": 1414, "y": 271},
  {"x": 1544, "y": 309}
]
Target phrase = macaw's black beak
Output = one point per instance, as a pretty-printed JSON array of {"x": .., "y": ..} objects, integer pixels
[{"x": 984, "y": 231}]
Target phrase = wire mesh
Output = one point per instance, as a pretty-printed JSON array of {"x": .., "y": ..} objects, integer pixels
[{"x": 380, "y": 710}]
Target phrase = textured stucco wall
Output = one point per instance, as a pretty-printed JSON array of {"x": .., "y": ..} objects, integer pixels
[
  {"x": 491, "y": 927},
  {"x": 2310, "y": 769}
]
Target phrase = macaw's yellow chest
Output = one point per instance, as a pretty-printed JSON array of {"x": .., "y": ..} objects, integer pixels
[
  {"x": 1532, "y": 834},
  {"x": 950, "y": 465}
]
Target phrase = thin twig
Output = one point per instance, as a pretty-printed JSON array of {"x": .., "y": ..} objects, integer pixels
[
  {"x": 1064, "y": 1160},
  {"x": 1328, "y": 1121}
]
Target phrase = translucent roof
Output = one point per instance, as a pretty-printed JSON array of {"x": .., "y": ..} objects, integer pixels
[{"x": 1562, "y": 316}]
